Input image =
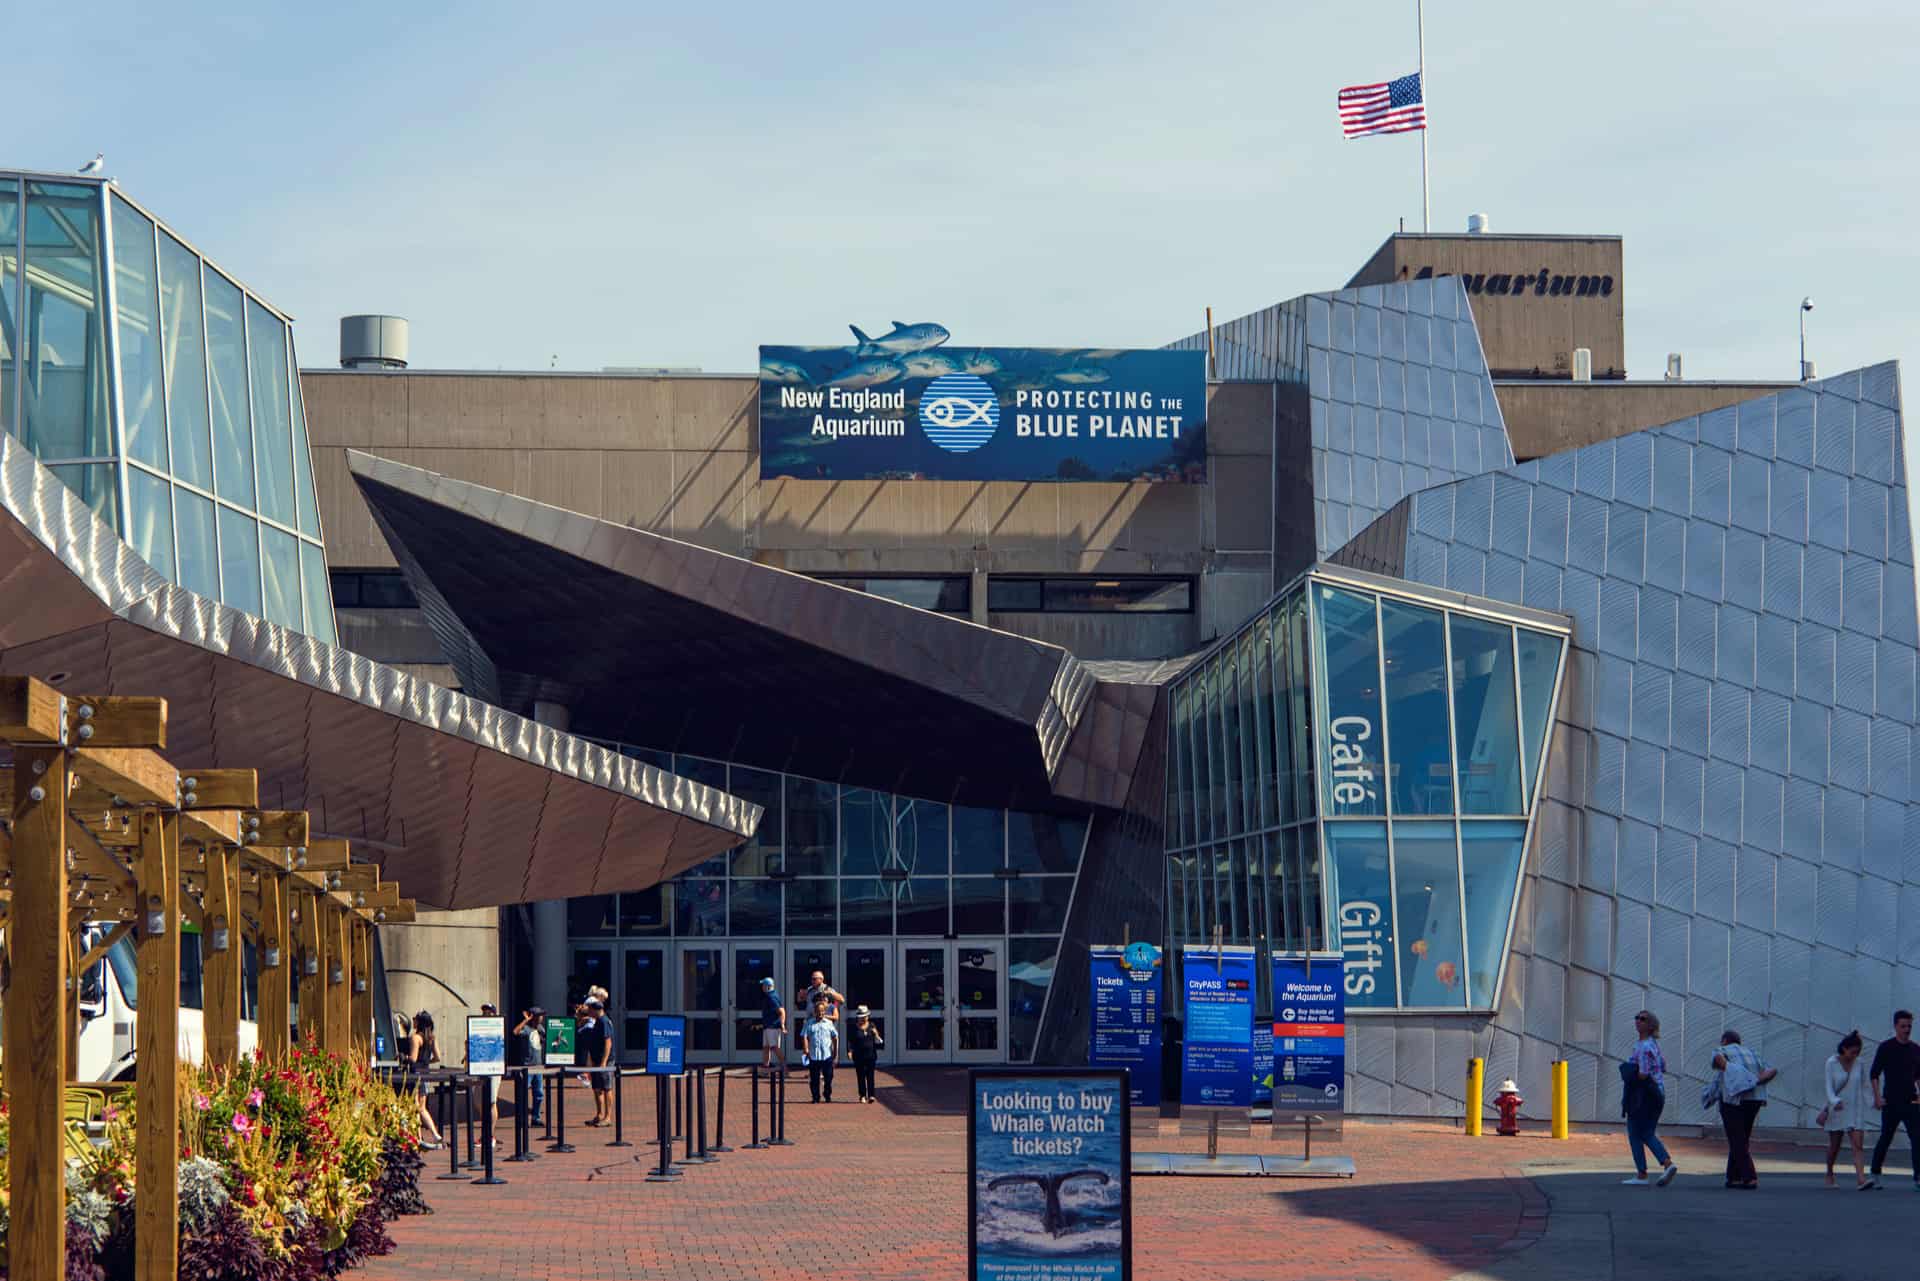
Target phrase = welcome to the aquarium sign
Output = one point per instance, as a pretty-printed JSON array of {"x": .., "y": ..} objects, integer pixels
[{"x": 906, "y": 406}]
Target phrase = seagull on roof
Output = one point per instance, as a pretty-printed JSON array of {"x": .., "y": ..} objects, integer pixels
[{"x": 96, "y": 164}]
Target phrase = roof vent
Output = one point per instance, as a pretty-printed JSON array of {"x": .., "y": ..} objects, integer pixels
[
  {"x": 1673, "y": 367},
  {"x": 1476, "y": 224},
  {"x": 1583, "y": 364},
  {"x": 373, "y": 342}
]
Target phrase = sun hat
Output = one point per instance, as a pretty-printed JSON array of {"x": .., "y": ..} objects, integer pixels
[{"x": 861, "y": 1011}]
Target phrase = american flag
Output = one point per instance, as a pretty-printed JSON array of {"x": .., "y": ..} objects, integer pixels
[{"x": 1393, "y": 106}]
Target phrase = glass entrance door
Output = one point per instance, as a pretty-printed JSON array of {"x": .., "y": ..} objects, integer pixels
[
  {"x": 642, "y": 991},
  {"x": 808, "y": 958},
  {"x": 979, "y": 1002},
  {"x": 866, "y": 984},
  {"x": 751, "y": 963},
  {"x": 923, "y": 1002},
  {"x": 703, "y": 999}
]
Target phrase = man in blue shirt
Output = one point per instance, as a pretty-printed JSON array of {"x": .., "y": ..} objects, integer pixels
[{"x": 773, "y": 1024}]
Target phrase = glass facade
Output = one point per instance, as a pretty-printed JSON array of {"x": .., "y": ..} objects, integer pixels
[
  {"x": 162, "y": 393},
  {"x": 851, "y": 864},
  {"x": 1356, "y": 769}
]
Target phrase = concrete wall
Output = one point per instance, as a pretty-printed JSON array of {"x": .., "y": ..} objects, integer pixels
[
  {"x": 678, "y": 456},
  {"x": 439, "y": 959},
  {"x": 1526, "y": 328},
  {"x": 1547, "y": 417}
]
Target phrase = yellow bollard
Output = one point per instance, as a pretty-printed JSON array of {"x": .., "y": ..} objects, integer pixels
[
  {"x": 1559, "y": 1098},
  {"x": 1476, "y": 1082}
]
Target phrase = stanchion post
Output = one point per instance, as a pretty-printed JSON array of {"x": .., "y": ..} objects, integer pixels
[
  {"x": 546, "y": 1121},
  {"x": 619, "y": 1111},
  {"x": 700, "y": 1115},
  {"x": 1476, "y": 1086},
  {"x": 473, "y": 1162},
  {"x": 664, "y": 1173},
  {"x": 558, "y": 1103},
  {"x": 486, "y": 1134},
  {"x": 720, "y": 1115},
  {"x": 1560, "y": 1127},
  {"x": 522, "y": 1127},
  {"x": 753, "y": 1106},
  {"x": 449, "y": 1132},
  {"x": 777, "y": 1109}
]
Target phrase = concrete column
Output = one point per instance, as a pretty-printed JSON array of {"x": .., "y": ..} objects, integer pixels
[
  {"x": 550, "y": 916},
  {"x": 978, "y": 603}
]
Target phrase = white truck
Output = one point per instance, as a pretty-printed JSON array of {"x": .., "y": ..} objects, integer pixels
[{"x": 110, "y": 1004}]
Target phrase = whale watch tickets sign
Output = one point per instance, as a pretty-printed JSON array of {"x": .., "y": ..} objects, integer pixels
[{"x": 905, "y": 403}]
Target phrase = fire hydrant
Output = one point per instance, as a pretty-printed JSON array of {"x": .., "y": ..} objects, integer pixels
[{"x": 1508, "y": 1100}]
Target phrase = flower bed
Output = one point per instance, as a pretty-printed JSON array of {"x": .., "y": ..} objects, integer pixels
[{"x": 288, "y": 1172}]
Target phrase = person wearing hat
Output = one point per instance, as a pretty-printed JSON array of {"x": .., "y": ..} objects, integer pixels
[
  {"x": 593, "y": 1043},
  {"x": 529, "y": 1052},
  {"x": 773, "y": 1023},
  {"x": 863, "y": 1051}
]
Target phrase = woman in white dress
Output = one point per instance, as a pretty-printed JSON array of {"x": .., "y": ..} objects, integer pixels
[{"x": 1846, "y": 1110}]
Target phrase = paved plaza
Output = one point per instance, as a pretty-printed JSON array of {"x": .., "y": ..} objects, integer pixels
[{"x": 878, "y": 1192}]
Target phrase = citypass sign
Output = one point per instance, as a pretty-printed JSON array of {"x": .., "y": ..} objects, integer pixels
[{"x": 906, "y": 405}]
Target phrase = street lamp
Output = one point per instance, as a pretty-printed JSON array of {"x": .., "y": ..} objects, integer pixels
[{"x": 1806, "y": 370}]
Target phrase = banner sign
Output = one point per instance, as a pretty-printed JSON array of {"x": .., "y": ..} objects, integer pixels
[
  {"x": 1126, "y": 1017},
  {"x": 1048, "y": 1166},
  {"x": 486, "y": 1045},
  {"x": 1262, "y": 1063},
  {"x": 904, "y": 406},
  {"x": 1309, "y": 1033},
  {"x": 666, "y": 1044},
  {"x": 1217, "y": 1064},
  {"x": 560, "y": 1042}
]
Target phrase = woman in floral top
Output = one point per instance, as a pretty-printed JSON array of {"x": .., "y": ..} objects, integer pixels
[{"x": 1647, "y": 1098}]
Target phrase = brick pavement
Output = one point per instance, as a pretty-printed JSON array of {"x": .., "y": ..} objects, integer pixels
[{"x": 879, "y": 1192}]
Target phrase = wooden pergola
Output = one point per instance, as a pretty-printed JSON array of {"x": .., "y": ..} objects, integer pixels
[{"x": 105, "y": 829}]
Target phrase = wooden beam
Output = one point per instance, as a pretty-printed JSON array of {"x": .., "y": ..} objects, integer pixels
[
  {"x": 312, "y": 963},
  {"x": 156, "y": 1230},
  {"x": 104, "y": 946},
  {"x": 205, "y": 827},
  {"x": 36, "y": 1063},
  {"x": 360, "y": 876},
  {"x": 400, "y": 915},
  {"x": 325, "y": 854},
  {"x": 30, "y": 711},
  {"x": 220, "y": 957},
  {"x": 276, "y": 962},
  {"x": 136, "y": 774},
  {"x": 362, "y": 1038},
  {"x": 222, "y": 789},
  {"x": 116, "y": 722},
  {"x": 337, "y": 1030},
  {"x": 285, "y": 829},
  {"x": 386, "y": 895}
]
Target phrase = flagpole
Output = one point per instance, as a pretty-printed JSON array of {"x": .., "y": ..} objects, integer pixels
[{"x": 1426, "y": 200}]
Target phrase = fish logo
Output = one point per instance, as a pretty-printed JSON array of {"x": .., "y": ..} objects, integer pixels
[{"x": 959, "y": 412}]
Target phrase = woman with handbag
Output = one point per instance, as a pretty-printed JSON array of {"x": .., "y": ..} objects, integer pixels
[
  {"x": 1846, "y": 1112},
  {"x": 1742, "y": 1086}
]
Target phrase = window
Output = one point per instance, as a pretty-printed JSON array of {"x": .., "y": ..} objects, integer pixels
[
  {"x": 1090, "y": 595},
  {"x": 372, "y": 589},
  {"x": 946, "y": 595}
]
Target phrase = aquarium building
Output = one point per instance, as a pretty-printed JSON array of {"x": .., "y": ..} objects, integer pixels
[{"x": 1542, "y": 693}]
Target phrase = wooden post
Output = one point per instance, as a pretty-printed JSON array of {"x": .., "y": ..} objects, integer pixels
[
  {"x": 156, "y": 1096},
  {"x": 335, "y": 1034},
  {"x": 220, "y": 956},
  {"x": 36, "y": 1052},
  {"x": 362, "y": 1039},
  {"x": 312, "y": 969},
  {"x": 276, "y": 962},
  {"x": 71, "y": 1014}
]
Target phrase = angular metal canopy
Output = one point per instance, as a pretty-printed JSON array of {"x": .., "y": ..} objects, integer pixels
[
  {"x": 464, "y": 804},
  {"x": 655, "y": 641}
]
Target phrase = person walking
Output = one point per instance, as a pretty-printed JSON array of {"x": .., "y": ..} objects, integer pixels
[
  {"x": 1896, "y": 1064},
  {"x": 863, "y": 1051},
  {"x": 818, "y": 989},
  {"x": 1645, "y": 1074},
  {"x": 1845, "y": 1116},
  {"x": 423, "y": 1052},
  {"x": 1742, "y": 1086},
  {"x": 773, "y": 1025},
  {"x": 529, "y": 1053},
  {"x": 820, "y": 1046}
]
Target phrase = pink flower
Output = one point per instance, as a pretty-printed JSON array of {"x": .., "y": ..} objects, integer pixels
[
  {"x": 254, "y": 1100},
  {"x": 240, "y": 1122},
  {"x": 201, "y": 1103},
  {"x": 112, "y": 1113}
]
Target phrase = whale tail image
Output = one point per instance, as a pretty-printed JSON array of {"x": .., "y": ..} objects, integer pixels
[{"x": 1052, "y": 1218}]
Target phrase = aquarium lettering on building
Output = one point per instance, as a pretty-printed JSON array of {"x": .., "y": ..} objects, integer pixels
[{"x": 907, "y": 406}]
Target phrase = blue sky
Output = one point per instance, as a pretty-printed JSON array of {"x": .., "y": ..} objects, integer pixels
[{"x": 645, "y": 185}]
